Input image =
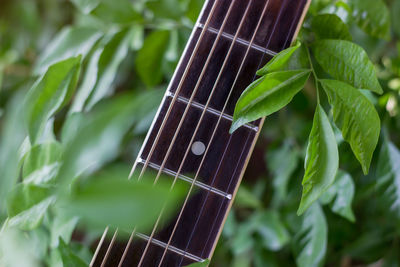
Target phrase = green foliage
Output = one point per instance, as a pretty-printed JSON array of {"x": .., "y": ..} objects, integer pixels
[{"x": 101, "y": 68}]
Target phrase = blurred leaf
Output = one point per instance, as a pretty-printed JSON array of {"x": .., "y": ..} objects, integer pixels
[
  {"x": 322, "y": 160},
  {"x": 50, "y": 94},
  {"x": 347, "y": 62},
  {"x": 272, "y": 230},
  {"x": 310, "y": 242},
  {"x": 166, "y": 9},
  {"x": 150, "y": 57},
  {"x": 193, "y": 9},
  {"x": 113, "y": 200},
  {"x": 395, "y": 17},
  {"x": 62, "y": 227},
  {"x": 247, "y": 199},
  {"x": 341, "y": 193},
  {"x": 120, "y": 12},
  {"x": 86, "y": 6},
  {"x": 41, "y": 156},
  {"x": 330, "y": 26},
  {"x": 70, "y": 42},
  {"x": 388, "y": 177},
  {"x": 357, "y": 119},
  {"x": 373, "y": 17},
  {"x": 27, "y": 204},
  {"x": 11, "y": 137},
  {"x": 68, "y": 257},
  {"x": 268, "y": 95},
  {"x": 279, "y": 61},
  {"x": 282, "y": 163},
  {"x": 112, "y": 55}
]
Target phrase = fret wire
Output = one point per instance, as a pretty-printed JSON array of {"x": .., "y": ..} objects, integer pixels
[
  {"x": 183, "y": 118},
  {"x": 219, "y": 119},
  {"x": 230, "y": 138},
  {"x": 189, "y": 64}
]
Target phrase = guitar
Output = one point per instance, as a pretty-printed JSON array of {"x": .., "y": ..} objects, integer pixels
[{"x": 189, "y": 140}]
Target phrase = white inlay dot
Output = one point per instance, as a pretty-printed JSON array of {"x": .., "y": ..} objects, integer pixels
[{"x": 198, "y": 148}]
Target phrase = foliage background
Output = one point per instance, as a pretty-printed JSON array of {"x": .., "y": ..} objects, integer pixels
[{"x": 129, "y": 51}]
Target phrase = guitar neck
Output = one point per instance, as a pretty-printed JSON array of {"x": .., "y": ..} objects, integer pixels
[{"x": 189, "y": 141}]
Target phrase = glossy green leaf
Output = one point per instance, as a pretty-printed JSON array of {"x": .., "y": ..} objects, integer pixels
[
  {"x": 373, "y": 17},
  {"x": 356, "y": 117},
  {"x": 310, "y": 242},
  {"x": 279, "y": 61},
  {"x": 70, "y": 42},
  {"x": 113, "y": 200},
  {"x": 347, "y": 62},
  {"x": 50, "y": 94},
  {"x": 268, "y": 95},
  {"x": 322, "y": 160},
  {"x": 340, "y": 196},
  {"x": 27, "y": 204},
  {"x": 330, "y": 26},
  {"x": 69, "y": 258},
  {"x": 388, "y": 177},
  {"x": 150, "y": 57},
  {"x": 204, "y": 263}
]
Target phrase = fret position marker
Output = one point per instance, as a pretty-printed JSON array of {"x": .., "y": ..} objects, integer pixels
[{"x": 198, "y": 148}]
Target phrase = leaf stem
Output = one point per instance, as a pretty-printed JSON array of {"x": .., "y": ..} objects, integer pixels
[{"x": 316, "y": 79}]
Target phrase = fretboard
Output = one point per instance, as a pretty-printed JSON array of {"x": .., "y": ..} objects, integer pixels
[{"x": 189, "y": 140}]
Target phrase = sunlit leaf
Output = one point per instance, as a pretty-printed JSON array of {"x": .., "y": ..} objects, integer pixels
[
  {"x": 279, "y": 61},
  {"x": 150, "y": 57},
  {"x": 340, "y": 195},
  {"x": 388, "y": 177},
  {"x": 347, "y": 62},
  {"x": 70, "y": 42},
  {"x": 49, "y": 94},
  {"x": 373, "y": 17},
  {"x": 356, "y": 117},
  {"x": 330, "y": 26},
  {"x": 268, "y": 95},
  {"x": 310, "y": 242},
  {"x": 322, "y": 160}
]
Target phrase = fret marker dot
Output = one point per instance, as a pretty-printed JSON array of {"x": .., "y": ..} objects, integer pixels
[{"x": 198, "y": 148}]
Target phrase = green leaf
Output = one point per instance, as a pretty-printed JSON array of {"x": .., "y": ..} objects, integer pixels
[
  {"x": 150, "y": 57},
  {"x": 268, "y": 95},
  {"x": 247, "y": 199},
  {"x": 341, "y": 195},
  {"x": 111, "y": 199},
  {"x": 27, "y": 204},
  {"x": 373, "y": 17},
  {"x": 204, "y": 263},
  {"x": 388, "y": 177},
  {"x": 347, "y": 62},
  {"x": 279, "y": 61},
  {"x": 395, "y": 17},
  {"x": 311, "y": 241},
  {"x": 62, "y": 227},
  {"x": 41, "y": 156},
  {"x": 272, "y": 230},
  {"x": 330, "y": 26},
  {"x": 70, "y": 42},
  {"x": 86, "y": 6},
  {"x": 356, "y": 117},
  {"x": 69, "y": 259},
  {"x": 322, "y": 160},
  {"x": 119, "y": 12},
  {"x": 50, "y": 94}
]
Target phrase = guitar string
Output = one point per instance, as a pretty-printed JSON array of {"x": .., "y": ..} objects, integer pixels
[
  {"x": 189, "y": 64},
  {"x": 228, "y": 188},
  {"x": 215, "y": 128},
  {"x": 211, "y": 53},
  {"x": 227, "y": 57}
]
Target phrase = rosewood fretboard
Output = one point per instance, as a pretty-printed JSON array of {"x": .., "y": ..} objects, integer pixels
[{"x": 189, "y": 140}]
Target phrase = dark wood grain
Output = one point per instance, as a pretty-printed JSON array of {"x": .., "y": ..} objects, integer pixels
[{"x": 219, "y": 175}]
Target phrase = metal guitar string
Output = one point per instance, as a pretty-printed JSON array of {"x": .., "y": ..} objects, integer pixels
[
  {"x": 229, "y": 185},
  {"x": 207, "y": 22},
  {"x": 201, "y": 119},
  {"x": 181, "y": 123}
]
